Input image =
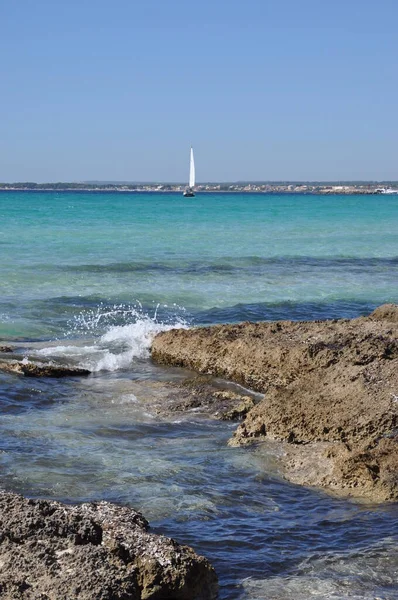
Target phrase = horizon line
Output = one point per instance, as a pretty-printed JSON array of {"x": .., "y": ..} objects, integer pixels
[{"x": 219, "y": 182}]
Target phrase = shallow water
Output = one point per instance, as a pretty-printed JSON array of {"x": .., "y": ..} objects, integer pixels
[
  {"x": 100, "y": 438},
  {"x": 88, "y": 279}
]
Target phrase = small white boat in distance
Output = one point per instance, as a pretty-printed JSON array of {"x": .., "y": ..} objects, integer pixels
[
  {"x": 189, "y": 190},
  {"x": 387, "y": 191}
]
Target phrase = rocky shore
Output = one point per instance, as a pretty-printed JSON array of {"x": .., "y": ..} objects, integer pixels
[
  {"x": 52, "y": 551},
  {"x": 330, "y": 394},
  {"x": 323, "y": 402}
]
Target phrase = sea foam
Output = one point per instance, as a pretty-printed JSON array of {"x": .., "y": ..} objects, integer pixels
[{"x": 124, "y": 334}]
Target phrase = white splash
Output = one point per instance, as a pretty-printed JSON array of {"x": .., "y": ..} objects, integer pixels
[{"x": 119, "y": 344}]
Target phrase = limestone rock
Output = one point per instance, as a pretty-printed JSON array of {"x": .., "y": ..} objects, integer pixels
[
  {"x": 206, "y": 396},
  {"x": 52, "y": 551},
  {"x": 324, "y": 382},
  {"x": 30, "y": 369}
]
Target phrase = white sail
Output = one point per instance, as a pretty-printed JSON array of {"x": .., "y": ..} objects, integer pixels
[{"x": 192, "y": 171}]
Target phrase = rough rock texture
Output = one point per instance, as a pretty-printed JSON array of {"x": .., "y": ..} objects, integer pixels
[
  {"x": 30, "y": 369},
  {"x": 325, "y": 382},
  {"x": 205, "y": 396},
  {"x": 51, "y": 551}
]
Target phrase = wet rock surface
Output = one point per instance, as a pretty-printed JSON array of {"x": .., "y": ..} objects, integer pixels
[
  {"x": 30, "y": 369},
  {"x": 205, "y": 396},
  {"x": 52, "y": 551},
  {"x": 331, "y": 393}
]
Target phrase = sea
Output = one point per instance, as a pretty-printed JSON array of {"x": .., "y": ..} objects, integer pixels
[{"x": 88, "y": 278}]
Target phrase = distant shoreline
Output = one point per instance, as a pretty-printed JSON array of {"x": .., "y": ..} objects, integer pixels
[{"x": 261, "y": 189}]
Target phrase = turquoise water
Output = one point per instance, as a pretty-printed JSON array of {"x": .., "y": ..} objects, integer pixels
[
  {"x": 221, "y": 257},
  {"x": 88, "y": 278}
]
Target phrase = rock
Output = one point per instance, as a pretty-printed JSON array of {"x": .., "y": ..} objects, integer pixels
[
  {"x": 239, "y": 410},
  {"x": 332, "y": 382},
  {"x": 6, "y": 349},
  {"x": 205, "y": 396},
  {"x": 52, "y": 551},
  {"x": 35, "y": 370},
  {"x": 367, "y": 473},
  {"x": 386, "y": 312}
]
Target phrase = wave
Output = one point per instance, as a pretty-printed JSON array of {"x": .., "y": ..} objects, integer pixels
[{"x": 117, "y": 336}]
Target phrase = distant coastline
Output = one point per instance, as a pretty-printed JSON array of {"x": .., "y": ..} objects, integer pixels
[{"x": 326, "y": 188}]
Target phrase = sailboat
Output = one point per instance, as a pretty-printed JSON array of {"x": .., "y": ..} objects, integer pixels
[{"x": 189, "y": 190}]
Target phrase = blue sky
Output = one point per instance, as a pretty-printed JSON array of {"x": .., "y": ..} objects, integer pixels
[{"x": 264, "y": 90}]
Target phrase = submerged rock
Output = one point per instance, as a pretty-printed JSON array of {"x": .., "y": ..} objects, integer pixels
[
  {"x": 6, "y": 349},
  {"x": 50, "y": 551},
  {"x": 325, "y": 382},
  {"x": 38, "y": 370},
  {"x": 205, "y": 396}
]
